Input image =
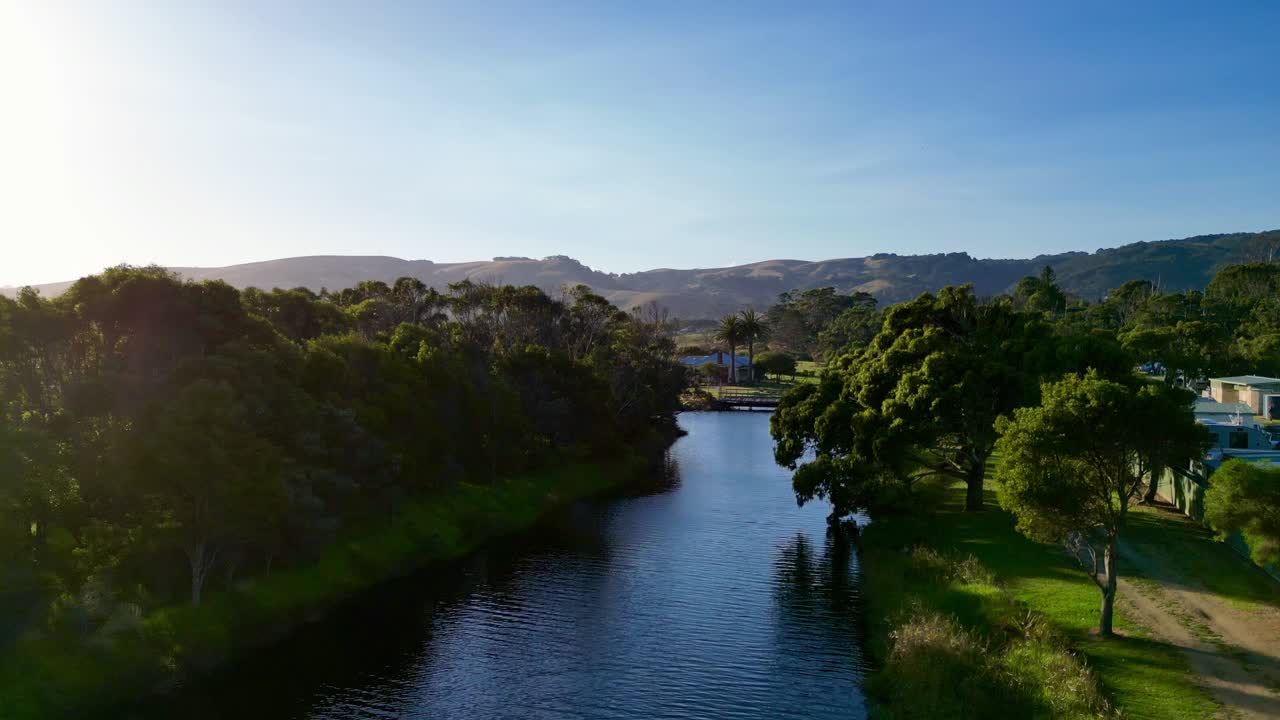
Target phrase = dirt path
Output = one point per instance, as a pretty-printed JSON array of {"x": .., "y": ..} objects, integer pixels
[{"x": 1234, "y": 652}]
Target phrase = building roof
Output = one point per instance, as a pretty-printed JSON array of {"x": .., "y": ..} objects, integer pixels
[
  {"x": 1217, "y": 422},
  {"x": 1209, "y": 406},
  {"x": 1246, "y": 380},
  {"x": 719, "y": 359}
]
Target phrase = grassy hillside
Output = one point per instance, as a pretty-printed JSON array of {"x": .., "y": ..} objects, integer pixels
[{"x": 709, "y": 292}]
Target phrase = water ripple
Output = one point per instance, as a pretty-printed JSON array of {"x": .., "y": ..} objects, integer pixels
[{"x": 711, "y": 596}]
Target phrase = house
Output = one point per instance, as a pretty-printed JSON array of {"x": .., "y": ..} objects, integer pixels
[
  {"x": 718, "y": 357},
  {"x": 1261, "y": 394},
  {"x": 1232, "y": 436}
]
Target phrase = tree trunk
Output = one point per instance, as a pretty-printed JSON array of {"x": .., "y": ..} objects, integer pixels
[
  {"x": 733, "y": 364},
  {"x": 973, "y": 492},
  {"x": 201, "y": 559},
  {"x": 1150, "y": 495},
  {"x": 197, "y": 581},
  {"x": 1108, "y": 591},
  {"x": 751, "y": 360}
]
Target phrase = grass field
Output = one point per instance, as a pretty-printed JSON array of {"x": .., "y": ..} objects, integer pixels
[
  {"x": 1143, "y": 677},
  {"x": 807, "y": 372},
  {"x": 808, "y": 366}
]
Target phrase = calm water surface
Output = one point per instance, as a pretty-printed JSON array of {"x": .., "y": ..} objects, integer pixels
[{"x": 704, "y": 594}]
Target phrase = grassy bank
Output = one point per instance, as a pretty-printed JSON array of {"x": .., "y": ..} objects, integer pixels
[
  {"x": 967, "y": 618},
  {"x": 47, "y": 677}
]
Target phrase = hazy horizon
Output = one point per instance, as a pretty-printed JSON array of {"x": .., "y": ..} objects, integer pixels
[
  {"x": 627, "y": 138},
  {"x": 604, "y": 269}
]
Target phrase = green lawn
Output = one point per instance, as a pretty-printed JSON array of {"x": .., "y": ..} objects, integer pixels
[
  {"x": 771, "y": 385},
  {"x": 764, "y": 387},
  {"x": 1143, "y": 677}
]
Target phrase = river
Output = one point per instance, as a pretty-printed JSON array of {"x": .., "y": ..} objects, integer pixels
[{"x": 704, "y": 593}]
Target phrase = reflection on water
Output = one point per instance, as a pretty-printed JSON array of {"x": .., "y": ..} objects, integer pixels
[{"x": 702, "y": 593}]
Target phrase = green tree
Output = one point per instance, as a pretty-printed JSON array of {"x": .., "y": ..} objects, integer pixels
[
  {"x": 729, "y": 332},
  {"x": 1041, "y": 293},
  {"x": 776, "y": 363},
  {"x": 850, "y": 330},
  {"x": 1186, "y": 332},
  {"x": 1071, "y": 467},
  {"x": 800, "y": 316},
  {"x": 1123, "y": 303},
  {"x": 922, "y": 398},
  {"x": 298, "y": 314},
  {"x": 1245, "y": 498},
  {"x": 1245, "y": 283},
  {"x": 209, "y": 483}
]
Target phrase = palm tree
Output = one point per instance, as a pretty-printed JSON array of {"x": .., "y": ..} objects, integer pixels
[
  {"x": 730, "y": 332},
  {"x": 753, "y": 328}
]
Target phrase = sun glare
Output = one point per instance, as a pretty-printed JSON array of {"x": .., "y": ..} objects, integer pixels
[{"x": 46, "y": 89}]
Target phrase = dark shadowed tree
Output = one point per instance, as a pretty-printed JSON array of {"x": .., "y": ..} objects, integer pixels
[
  {"x": 207, "y": 481},
  {"x": 852, "y": 329}
]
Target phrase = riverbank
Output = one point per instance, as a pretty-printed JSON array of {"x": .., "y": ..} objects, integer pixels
[
  {"x": 967, "y": 618},
  {"x": 45, "y": 677}
]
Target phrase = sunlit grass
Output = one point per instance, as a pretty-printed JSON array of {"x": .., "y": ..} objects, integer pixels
[{"x": 1145, "y": 678}]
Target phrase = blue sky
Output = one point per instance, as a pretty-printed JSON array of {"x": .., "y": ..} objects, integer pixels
[{"x": 628, "y": 135}]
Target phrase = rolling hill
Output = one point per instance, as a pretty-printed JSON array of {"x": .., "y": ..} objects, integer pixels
[{"x": 1182, "y": 264}]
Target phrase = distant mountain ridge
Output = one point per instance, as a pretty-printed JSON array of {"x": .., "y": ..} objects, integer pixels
[{"x": 1176, "y": 265}]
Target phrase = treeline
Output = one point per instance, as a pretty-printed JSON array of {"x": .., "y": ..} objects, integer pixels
[
  {"x": 1231, "y": 326},
  {"x": 162, "y": 438}
]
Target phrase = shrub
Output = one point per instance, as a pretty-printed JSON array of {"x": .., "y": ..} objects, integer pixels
[
  {"x": 964, "y": 648},
  {"x": 776, "y": 363},
  {"x": 937, "y": 669}
]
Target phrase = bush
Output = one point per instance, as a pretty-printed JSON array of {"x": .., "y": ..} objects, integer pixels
[
  {"x": 937, "y": 669},
  {"x": 697, "y": 399},
  {"x": 773, "y": 362}
]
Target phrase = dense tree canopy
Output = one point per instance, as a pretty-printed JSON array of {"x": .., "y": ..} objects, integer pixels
[
  {"x": 799, "y": 317},
  {"x": 160, "y": 437},
  {"x": 923, "y": 397},
  {"x": 852, "y": 329}
]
